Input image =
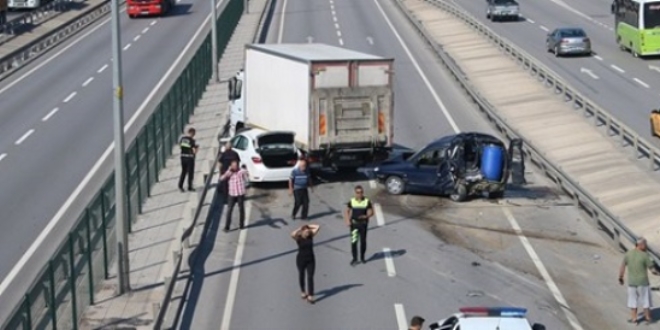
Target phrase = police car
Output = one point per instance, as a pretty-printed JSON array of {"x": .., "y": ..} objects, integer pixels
[{"x": 487, "y": 318}]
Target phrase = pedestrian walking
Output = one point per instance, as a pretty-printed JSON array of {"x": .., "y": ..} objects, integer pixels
[
  {"x": 305, "y": 260},
  {"x": 227, "y": 156},
  {"x": 189, "y": 148},
  {"x": 236, "y": 178},
  {"x": 356, "y": 217},
  {"x": 638, "y": 262},
  {"x": 416, "y": 323},
  {"x": 299, "y": 182}
]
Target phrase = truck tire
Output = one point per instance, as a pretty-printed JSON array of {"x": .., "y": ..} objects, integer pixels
[
  {"x": 459, "y": 194},
  {"x": 395, "y": 185}
]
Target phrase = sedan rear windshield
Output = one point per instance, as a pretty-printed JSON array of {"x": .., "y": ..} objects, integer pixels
[
  {"x": 273, "y": 139},
  {"x": 652, "y": 15},
  {"x": 573, "y": 34}
]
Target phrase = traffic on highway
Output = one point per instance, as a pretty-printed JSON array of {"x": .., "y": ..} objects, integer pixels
[{"x": 348, "y": 96}]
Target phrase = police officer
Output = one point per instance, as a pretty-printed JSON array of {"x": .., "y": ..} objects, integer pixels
[
  {"x": 188, "y": 150},
  {"x": 358, "y": 212}
]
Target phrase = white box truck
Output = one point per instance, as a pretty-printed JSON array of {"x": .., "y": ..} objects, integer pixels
[{"x": 338, "y": 102}]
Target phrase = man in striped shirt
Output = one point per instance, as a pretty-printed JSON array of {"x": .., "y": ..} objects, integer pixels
[{"x": 236, "y": 178}]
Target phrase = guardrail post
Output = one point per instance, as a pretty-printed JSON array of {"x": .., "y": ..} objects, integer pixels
[
  {"x": 51, "y": 306},
  {"x": 72, "y": 283},
  {"x": 104, "y": 224},
  {"x": 28, "y": 313},
  {"x": 88, "y": 252}
]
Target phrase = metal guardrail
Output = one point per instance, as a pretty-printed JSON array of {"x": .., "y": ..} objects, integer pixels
[
  {"x": 67, "y": 284},
  {"x": 601, "y": 215},
  {"x": 26, "y": 54},
  {"x": 18, "y": 25}
]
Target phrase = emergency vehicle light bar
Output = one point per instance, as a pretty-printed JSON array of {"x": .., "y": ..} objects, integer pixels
[{"x": 494, "y": 311}]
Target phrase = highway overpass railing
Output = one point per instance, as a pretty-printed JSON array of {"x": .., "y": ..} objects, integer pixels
[
  {"x": 600, "y": 118},
  {"x": 20, "y": 24},
  {"x": 67, "y": 283}
]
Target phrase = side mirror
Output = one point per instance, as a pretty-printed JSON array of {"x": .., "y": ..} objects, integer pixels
[{"x": 538, "y": 326}]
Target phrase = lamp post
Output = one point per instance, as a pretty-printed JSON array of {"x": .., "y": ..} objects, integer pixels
[
  {"x": 120, "y": 171},
  {"x": 214, "y": 41}
]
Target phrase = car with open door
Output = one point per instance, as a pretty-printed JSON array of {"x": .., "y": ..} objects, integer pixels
[
  {"x": 480, "y": 318},
  {"x": 457, "y": 166},
  {"x": 269, "y": 156}
]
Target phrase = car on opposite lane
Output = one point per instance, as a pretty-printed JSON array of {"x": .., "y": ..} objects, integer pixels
[
  {"x": 269, "y": 156},
  {"x": 499, "y": 10},
  {"x": 481, "y": 318},
  {"x": 568, "y": 41}
]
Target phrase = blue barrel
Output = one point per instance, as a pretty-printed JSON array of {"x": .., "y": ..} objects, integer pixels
[{"x": 492, "y": 160}]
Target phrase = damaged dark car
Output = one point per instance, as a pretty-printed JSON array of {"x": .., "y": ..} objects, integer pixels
[{"x": 458, "y": 166}]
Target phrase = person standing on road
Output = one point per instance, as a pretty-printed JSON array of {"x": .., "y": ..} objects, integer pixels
[
  {"x": 236, "y": 178},
  {"x": 358, "y": 212},
  {"x": 227, "y": 156},
  {"x": 639, "y": 262},
  {"x": 416, "y": 323},
  {"x": 305, "y": 260},
  {"x": 299, "y": 182},
  {"x": 189, "y": 148}
]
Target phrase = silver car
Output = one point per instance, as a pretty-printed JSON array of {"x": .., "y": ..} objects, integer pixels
[
  {"x": 498, "y": 10},
  {"x": 568, "y": 41}
]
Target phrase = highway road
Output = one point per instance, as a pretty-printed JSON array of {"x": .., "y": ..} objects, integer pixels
[
  {"x": 56, "y": 117},
  {"x": 626, "y": 86},
  {"x": 428, "y": 256}
]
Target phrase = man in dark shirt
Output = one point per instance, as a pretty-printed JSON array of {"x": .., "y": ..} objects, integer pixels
[
  {"x": 299, "y": 181},
  {"x": 189, "y": 148},
  {"x": 356, "y": 217},
  {"x": 224, "y": 162}
]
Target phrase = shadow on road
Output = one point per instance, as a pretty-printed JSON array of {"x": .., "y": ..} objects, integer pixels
[{"x": 327, "y": 293}]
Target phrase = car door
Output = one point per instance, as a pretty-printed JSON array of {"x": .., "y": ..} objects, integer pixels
[
  {"x": 240, "y": 144},
  {"x": 423, "y": 175},
  {"x": 551, "y": 41}
]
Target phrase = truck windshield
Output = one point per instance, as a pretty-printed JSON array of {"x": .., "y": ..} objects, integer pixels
[{"x": 652, "y": 15}]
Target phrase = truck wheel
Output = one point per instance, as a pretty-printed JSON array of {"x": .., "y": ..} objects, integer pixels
[
  {"x": 460, "y": 194},
  {"x": 395, "y": 185}
]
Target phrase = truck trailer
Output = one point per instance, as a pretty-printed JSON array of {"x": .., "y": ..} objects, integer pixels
[{"x": 339, "y": 102}]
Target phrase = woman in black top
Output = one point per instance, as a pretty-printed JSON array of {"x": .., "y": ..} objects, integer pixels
[{"x": 305, "y": 260}]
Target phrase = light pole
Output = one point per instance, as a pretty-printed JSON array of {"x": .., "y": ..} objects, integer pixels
[
  {"x": 120, "y": 188},
  {"x": 246, "y": 6},
  {"x": 214, "y": 41}
]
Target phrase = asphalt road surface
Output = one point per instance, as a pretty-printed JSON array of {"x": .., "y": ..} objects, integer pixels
[
  {"x": 56, "y": 116},
  {"x": 428, "y": 256},
  {"x": 628, "y": 87}
]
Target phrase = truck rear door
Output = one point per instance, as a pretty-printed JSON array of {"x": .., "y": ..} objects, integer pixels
[{"x": 352, "y": 104}]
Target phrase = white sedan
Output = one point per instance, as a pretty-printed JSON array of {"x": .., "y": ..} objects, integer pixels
[
  {"x": 485, "y": 318},
  {"x": 269, "y": 156}
]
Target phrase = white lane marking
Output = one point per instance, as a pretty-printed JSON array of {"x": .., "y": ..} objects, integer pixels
[
  {"x": 401, "y": 320},
  {"x": 137, "y": 37},
  {"x": 373, "y": 184},
  {"x": 2, "y": 156},
  {"x": 71, "y": 96},
  {"x": 589, "y": 73},
  {"x": 24, "y": 137},
  {"x": 598, "y": 57},
  {"x": 531, "y": 21},
  {"x": 331, "y": 1},
  {"x": 544, "y": 28},
  {"x": 338, "y": 33},
  {"x": 50, "y": 114},
  {"x": 617, "y": 68},
  {"x": 575, "y": 11},
  {"x": 280, "y": 33},
  {"x": 145, "y": 30},
  {"x": 56, "y": 55},
  {"x": 89, "y": 80},
  {"x": 25, "y": 258},
  {"x": 334, "y": 13},
  {"x": 337, "y": 26},
  {"x": 341, "y": 41},
  {"x": 127, "y": 46},
  {"x": 380, "y": 218},
  {"x": 334, "y": 18},
  {"x": 370, "y": 40},
  {"x": 654, "y": 68},
  {"x": 437, "y": 99},
  {"x": 544, "y": 272},
  {"x": 310, "y": 39},
  {"x": 235, "y": 272},
  {"x": 389, "y": 263},
  {"x": 105, "y": 66},
  {"x": 637, "y": 80},
  {"x": 153, "y": 22}
]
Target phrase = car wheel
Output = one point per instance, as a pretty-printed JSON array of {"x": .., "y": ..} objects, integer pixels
[
  {"x": 459, "y": 194},
  {"x": 395, "y": 185}
]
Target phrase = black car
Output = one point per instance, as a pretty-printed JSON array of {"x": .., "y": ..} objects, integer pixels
[{"x": 458, "y": 165}]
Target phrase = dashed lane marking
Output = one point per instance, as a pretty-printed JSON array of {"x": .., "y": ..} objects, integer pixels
[
  {"x": 50, "y": 114},
  {"x": 127, "y": 46},
  {"x": 380, "y": 218},
  {"x": 105, "y": 66},
  {"x": 89, "y": 80},
  {"x": 70, "y": 97},
  {"x": 401, "y": 320},
  {"x": 24, "y": 137},
  {"x": 617, "y": 68},
  {"x": 637, "y": 80},
  {"x": 2, "y": 156},
  {"x": 389, "y": 263}
]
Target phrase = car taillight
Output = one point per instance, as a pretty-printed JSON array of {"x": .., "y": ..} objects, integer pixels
[
  {"x": 564, "y": 41},
  {"x": 292, "y": 162},
  {"x": 256, "y": 160},
  {"x": 586, "y": 40}
]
